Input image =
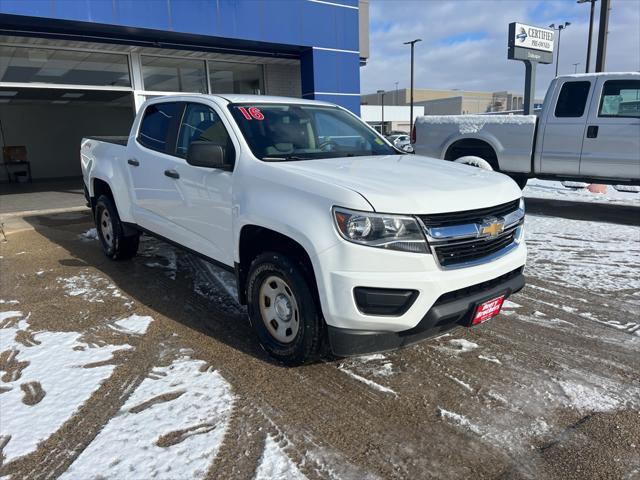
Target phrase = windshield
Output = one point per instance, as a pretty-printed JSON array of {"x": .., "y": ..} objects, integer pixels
[{"x": 282, "y": 132}]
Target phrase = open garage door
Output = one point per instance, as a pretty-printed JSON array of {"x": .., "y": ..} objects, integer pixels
[{"x": 48, "y": 123}]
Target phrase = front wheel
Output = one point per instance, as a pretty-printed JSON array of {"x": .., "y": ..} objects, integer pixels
[
  {"x": 115, "y": 244},
  {"x": 282, "y": 309}
]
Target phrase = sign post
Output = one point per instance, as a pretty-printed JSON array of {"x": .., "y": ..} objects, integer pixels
[{"x": 531, "y": 45}]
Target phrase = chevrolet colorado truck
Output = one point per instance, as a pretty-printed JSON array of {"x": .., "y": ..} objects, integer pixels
[
  {"x": 588, "y": 131},
  {"x": 335, "y": 237}
]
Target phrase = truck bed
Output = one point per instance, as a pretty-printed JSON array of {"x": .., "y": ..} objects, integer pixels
[{"x": 510, "y": 136}]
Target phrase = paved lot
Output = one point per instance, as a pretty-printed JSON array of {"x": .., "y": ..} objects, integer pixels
[
  {"x": 149, "y": 369},
  {"x": 62, "y": 194}
]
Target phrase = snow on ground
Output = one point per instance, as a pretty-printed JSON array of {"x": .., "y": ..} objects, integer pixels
[
  {"x": 275, "y": 465},
  {"x": 457, "y": 345},
  {"x": 49, "y": 375},
  {"x": 134, "y": 324},
  {"x": 366, "y": 381},
  {"x": 555, "y": 190},
  {"x": 91, "y": 234},
  {"x": 90, "y": 287},
  {"x": 161, "y": 255},
  {"x": 171, "y": 426},
  {"x": 590, "y": 255},
  {"x": 459, "y": 420}
]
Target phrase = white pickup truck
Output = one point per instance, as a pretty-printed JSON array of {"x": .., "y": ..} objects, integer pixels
[
  {"x": 588, "y": 130},
  {"x": 336, "y": 238}
]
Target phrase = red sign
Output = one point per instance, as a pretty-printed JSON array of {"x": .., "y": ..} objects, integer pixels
[
  {"x": 487, "y": 310},
  {"x": 251, "y": 113}
]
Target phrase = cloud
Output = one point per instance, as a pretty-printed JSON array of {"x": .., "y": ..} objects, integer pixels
[{"x": 464, "y": 42}]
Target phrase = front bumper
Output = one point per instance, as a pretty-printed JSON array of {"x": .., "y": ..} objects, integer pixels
[{"x": 449, "y": 310}]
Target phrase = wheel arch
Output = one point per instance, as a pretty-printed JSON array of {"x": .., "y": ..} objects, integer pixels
[
  {"x": 473, "y": 146},
  {"x": 255, "y": 240}
]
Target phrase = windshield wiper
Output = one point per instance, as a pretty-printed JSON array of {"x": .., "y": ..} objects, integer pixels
[{"x": 284, "y": 159}]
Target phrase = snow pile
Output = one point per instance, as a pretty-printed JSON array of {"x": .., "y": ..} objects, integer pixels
[
  {"x": 47, "y": 382},
  {"x": 171, "y": 427},
  {"x": 556, "y": 190},
  {"x": 275, "y": 465}
]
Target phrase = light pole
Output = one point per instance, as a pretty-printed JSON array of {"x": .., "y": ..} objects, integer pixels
[
  {"x": 601, "y": 53},
  {"x": 575, "y": 67},
  {"x": 593, "y": 4},
  {"x": 396, "y": 97},
  {"x": 559, "y": 29},
  {"x": 412, "y": 43},
  {"x": 381, "y": 92}
]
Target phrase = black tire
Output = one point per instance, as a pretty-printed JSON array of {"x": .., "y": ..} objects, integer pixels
[
  {"x": 304, "y": 345},
  {"x": 114, "y": 243},
  {"x": 521, "y": 180}
]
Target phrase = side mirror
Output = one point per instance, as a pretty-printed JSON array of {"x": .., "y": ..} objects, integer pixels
[
  {"x": 408, "y": 148},
  {"x": 208, "y": 155}
]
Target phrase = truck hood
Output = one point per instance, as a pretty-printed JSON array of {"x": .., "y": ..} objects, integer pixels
[{"x": 411, "y": 184}]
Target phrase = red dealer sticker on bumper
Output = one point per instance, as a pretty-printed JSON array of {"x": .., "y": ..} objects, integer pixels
[{"x": 486, "y": 310}]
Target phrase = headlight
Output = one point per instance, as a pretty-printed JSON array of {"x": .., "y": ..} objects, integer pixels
[
  {"x": 393, "y": 232},
  {"x": 522, "y": 203}
]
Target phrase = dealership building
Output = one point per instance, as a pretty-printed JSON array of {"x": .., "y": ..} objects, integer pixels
[{"x": 69, "y": 69}]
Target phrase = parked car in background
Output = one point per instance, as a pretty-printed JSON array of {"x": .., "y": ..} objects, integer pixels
[
  {"x": 588, "y": 131},
  {"x": 335, "y": 237}
]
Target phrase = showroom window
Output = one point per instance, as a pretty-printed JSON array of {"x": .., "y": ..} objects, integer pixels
[
  {"x": 228, "y": 77},
  {"x": 66, "y": 67},
  {"x": 164, "y": 74}
]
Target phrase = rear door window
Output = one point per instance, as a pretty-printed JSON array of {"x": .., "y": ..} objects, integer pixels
[
  {"x": 620, "y": 98},
  {"x": 572, "y": 99},
  {"x": 159, "y": 125}
]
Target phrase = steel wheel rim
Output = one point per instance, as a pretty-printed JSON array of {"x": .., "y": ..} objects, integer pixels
[
  {"x": 279, "y": 309},
  {"x": 106, "y": 227}
]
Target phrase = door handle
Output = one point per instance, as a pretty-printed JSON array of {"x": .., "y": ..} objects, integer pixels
[
  {"x": 592, "y": 131},
  {"x": 134, "y": 162},
  {"x": 172, "y": 173}
]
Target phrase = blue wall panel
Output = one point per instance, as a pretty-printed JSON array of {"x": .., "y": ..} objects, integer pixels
[
  {"x": 291, "y": 22},
  {"x": 326, "y": 74},
  {"x": 273, "y": 26}
]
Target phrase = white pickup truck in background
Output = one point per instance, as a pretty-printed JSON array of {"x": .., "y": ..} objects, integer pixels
[
  {"x": 335, "y": 237},
  {"x": 588, "y": 130}
]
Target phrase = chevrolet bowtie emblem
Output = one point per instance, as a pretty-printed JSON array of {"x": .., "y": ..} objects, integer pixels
[{"x": 491, "y": 227}]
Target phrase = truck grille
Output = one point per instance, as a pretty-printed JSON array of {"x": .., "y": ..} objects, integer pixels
[
  {"x": 456, "y": 239},
  {"x": 465, "y": 251},
  {"x": 468, "y": 216}
]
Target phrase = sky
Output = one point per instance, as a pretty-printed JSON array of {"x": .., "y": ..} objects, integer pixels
[{"x": 464, "y": 42}]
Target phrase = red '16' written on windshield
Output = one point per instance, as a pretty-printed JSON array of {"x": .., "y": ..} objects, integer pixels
[{"x": 251, "y": 113}]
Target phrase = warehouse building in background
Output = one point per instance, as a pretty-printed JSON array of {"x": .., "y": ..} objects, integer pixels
[{"x": 74, "y": 68}]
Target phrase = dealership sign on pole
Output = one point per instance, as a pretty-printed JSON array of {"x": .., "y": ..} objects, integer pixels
[{"x": 531, "y": 45}]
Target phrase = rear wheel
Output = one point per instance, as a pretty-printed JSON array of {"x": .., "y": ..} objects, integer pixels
[
  {"x": 282, "y": 309},
  {"x": 115, "y": 244},
  {"x": 474, "y": 162}
]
